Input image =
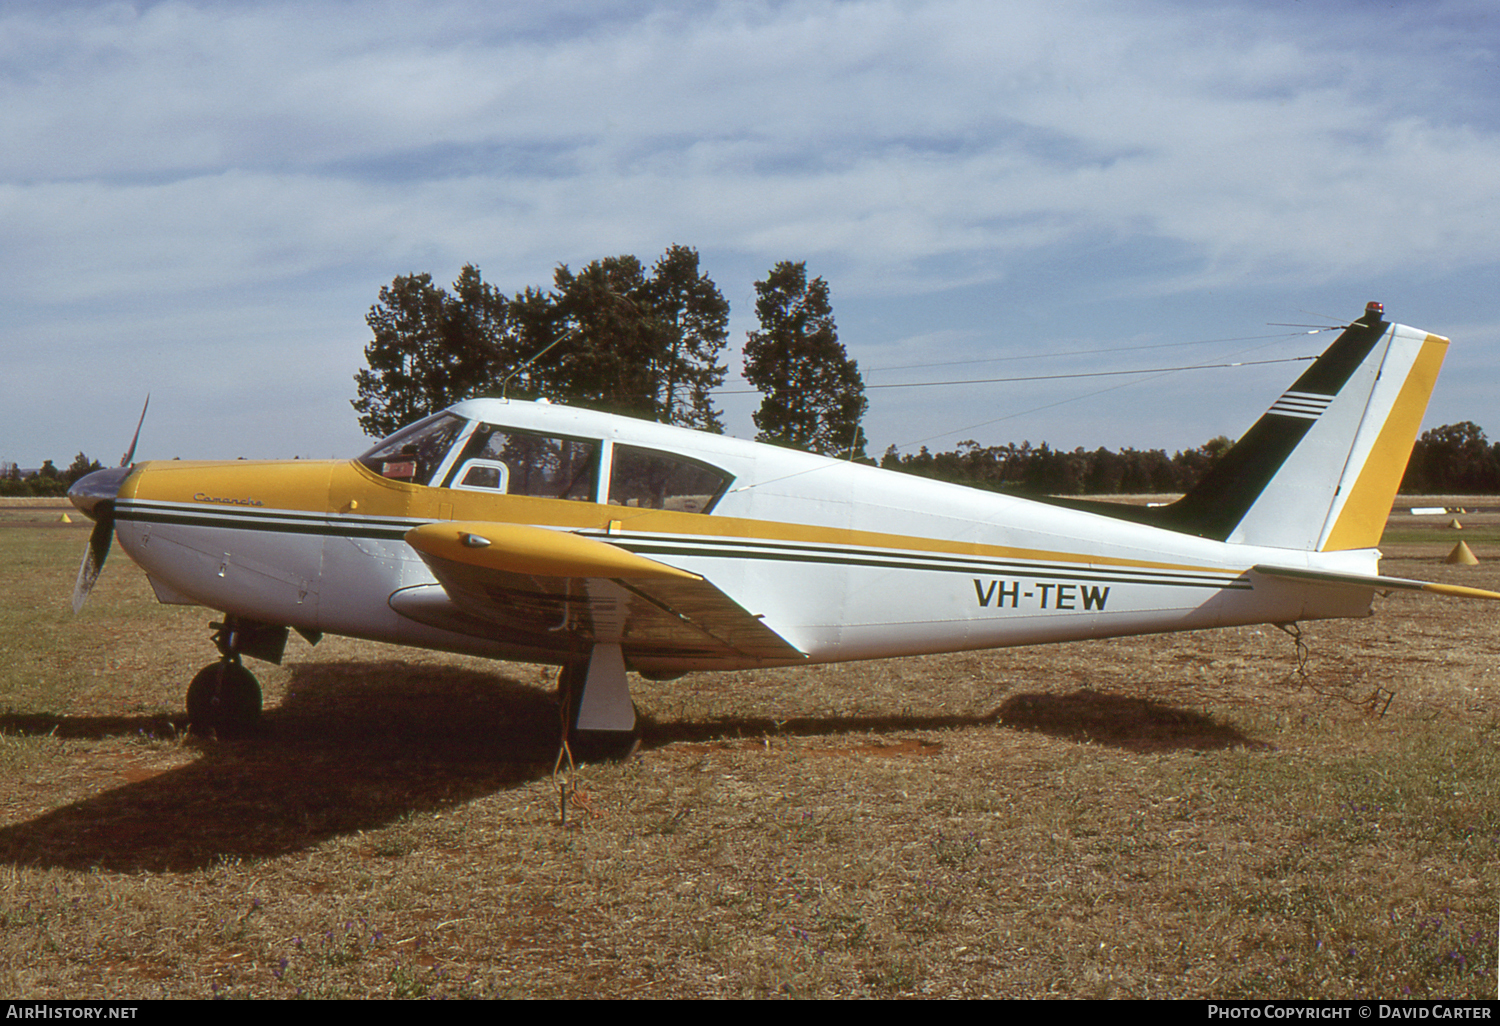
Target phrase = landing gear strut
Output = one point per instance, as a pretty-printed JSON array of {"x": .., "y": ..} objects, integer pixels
[
  {"x": 590, "y": 745},
  {"x": 225, "y": 697}
]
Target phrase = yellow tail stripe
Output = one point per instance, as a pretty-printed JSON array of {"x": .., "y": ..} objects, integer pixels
[{"x": 1362, "y": 520}]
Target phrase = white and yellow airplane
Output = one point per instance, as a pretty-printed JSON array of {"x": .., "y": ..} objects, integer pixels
[{"x": 540, "y": 533}]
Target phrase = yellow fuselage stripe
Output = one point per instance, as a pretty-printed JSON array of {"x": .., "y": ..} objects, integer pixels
[{"x": 346, "y": 487}]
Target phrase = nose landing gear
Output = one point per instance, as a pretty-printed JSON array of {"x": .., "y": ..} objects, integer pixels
[{"x": 224, "y": 698}]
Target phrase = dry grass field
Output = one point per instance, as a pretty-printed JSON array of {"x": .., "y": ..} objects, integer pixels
[{"x": 1178, "y": 816}]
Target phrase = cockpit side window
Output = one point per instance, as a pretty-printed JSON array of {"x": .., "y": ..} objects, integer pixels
[
  {"x": 546, "y": 466},
  {"x": 648, "y": 479},
  {"x": 415, "y": 453}
]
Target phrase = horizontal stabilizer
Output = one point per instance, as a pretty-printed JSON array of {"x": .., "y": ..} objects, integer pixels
[{"x": 1375, "y": 582}]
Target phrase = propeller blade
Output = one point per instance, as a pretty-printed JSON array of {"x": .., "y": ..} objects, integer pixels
[
  {"x": 93, "y": 559},
  {"x": 94, "y": 494},
  {"x": 125, "y": 462}
]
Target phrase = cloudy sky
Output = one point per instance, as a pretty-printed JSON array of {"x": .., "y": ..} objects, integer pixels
[{"x": 202, "y": 199}]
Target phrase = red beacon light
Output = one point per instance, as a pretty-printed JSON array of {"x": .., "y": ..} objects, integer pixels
[{"x": 1374, "y": 310}]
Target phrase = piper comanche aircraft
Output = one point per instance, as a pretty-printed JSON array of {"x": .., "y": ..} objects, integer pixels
[{"x": 602, "y": 544}]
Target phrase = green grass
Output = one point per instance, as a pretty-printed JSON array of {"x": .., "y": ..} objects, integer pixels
[{"x": 1478, "y": 538}]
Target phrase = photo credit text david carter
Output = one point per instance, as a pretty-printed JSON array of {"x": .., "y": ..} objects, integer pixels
[{"x": 1356, "y": 1010}]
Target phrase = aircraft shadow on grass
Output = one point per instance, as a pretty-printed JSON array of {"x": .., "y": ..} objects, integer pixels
[
  {"x": 1135, "y": 724},
  {"x": 358, "y": 745}
]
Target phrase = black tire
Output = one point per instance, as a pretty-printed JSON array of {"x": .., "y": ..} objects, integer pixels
[{"x": 224, "y": 698}]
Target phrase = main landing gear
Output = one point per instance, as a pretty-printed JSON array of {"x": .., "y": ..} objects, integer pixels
[
  {"x": 598, "y": 715},
  {"x": 224, "y": 698}
]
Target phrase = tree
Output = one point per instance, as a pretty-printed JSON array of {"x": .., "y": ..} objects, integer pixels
[
  {"x": 80, "y": 467},
  {"x": 693, "y": 318},
  {"x": 646, "y": 345},
  {"x": 813, "y": 395},
  {"x": 1192, "y": 464},
  {"x": 607, "y": 339},
  {"x": 431, "y": 349},
  {"x": 1453, "y": 459},
  {"x": 611, "y": 337},
  {"x": 46, "y": 481}
]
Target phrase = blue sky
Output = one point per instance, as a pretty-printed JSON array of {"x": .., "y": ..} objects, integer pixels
[{"x": 201, "y": 200}]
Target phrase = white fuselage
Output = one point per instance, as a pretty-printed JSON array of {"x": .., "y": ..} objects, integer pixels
[{"x": 844, "y": 561}]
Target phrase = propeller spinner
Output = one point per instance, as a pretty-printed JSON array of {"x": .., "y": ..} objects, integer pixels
[{"x": 94, "y": 496}]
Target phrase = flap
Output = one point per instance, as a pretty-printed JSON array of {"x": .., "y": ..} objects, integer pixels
[{"x": 565, "y": 593}]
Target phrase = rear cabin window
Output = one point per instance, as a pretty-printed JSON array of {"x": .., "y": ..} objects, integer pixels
[
  {"x": 415, "y": 453},
  {"x": 522, "y": 463},
  {"x": 648, "y": 479}
]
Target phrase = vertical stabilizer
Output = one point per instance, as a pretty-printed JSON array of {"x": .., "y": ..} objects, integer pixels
[{"x": 1320, "y": 469}]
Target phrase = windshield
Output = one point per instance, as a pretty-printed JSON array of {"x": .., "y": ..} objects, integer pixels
[{"x": 414, "y": 453}]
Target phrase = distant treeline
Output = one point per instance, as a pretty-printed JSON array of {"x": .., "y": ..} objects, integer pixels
[
  {"x": 46, "y": 481},
  {"x": 1043, "y": 470},
  {"x": 1454, "y": 459}
]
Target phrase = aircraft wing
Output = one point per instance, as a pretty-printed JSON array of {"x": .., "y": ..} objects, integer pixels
[
  {"x": 563, "y": 592},
  {"x": 1376, "y": 582}
]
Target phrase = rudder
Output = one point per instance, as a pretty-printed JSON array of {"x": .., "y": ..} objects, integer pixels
[{"x": 1320, "y": 469}]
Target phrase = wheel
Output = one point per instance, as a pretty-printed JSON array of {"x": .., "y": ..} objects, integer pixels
[
  {"x": 592, "y": 745},
  {"x": 224, "y": 698}
]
